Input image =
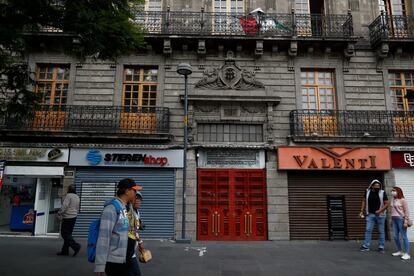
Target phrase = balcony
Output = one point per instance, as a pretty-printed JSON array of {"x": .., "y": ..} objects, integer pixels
[
  {"x": 391, "y": 28},
  {"x": 95, "y": 121},
  {"x": 208, "y": 24},
  {"x": 349, "y": 125}
]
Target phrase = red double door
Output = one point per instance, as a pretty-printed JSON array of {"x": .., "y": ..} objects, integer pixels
[{"x": 231, "y": 204}]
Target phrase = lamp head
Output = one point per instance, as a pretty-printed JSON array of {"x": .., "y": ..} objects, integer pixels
[{"x": 184, "y": 69}]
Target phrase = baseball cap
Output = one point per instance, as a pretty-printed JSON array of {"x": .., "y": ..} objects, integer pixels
[
  {"x": 138, "y": 194},
  {"x": 128, "y": 183}
]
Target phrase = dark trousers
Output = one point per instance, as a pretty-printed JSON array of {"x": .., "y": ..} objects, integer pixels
[
  {"x": 66, "y": 232},
  {"x": 115, "y": 269},
  {"x": 134, "y": 267}
]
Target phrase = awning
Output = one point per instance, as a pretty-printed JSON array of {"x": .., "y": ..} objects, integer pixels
[{"x": 35, "y": 171}]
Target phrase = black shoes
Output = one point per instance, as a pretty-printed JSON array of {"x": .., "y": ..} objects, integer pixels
[{"x": 76, "y": 250}]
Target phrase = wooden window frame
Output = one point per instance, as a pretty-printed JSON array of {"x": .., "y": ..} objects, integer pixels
[
  {"x": 141, "y": 83},
  {"x": 389, "y": 5},
  {"x": 228, "y": 6},
  {"x": 54, "y": 81},
  {"x": 147, "y": 6},
  {"x": 317, "y": 86},
  {"x": 301, "y": 3},
  {"x": 403, "y": 87}
]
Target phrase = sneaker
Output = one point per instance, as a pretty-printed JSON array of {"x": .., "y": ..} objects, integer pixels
[
  {"x": 381, "y": 250},
  {"x": 405, "y": 256},
  {"x": 363, "y": 248},
  {"x": 398, "y": 253}
]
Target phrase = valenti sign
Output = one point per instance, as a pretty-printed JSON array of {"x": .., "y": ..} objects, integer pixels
[
  {"x": 334, "y": 158},
  {"x": 126, "y": 158}
]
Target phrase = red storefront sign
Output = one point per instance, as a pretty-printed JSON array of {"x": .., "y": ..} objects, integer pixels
[
  {"x": 402, "y": 159},
  {"x": 334, "y": 158}
]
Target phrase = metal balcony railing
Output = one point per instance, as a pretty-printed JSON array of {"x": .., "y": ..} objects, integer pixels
[
  {"x": 351, "y": 124},
  {"x": 391, "y": 27},
  {"x": 263, "y": 25},
  {"x": 91, "y": 119}
]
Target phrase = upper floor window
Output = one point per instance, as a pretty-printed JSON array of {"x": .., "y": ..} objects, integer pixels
[
  {"x": 52, "y": 82},
  {"x": 402, "y": 90},
  {"x": 229, "y": 6},
  {"x": 392, "y": 7},
  {"x": 309, "y": 6},
  {"x": 318, "y": 89},
  {"x": 153, "y": 5},
  {"x": 217, "y": 132},
  {"x": 139, "y": 87}
]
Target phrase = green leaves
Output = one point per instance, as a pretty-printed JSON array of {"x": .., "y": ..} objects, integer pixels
[{"x": 103, "y": 29}]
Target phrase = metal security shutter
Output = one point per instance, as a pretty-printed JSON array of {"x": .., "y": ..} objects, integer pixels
[
  {"x": 404, "y": 178},
  {"x": 157, "y": 210},
  {"x": 308, "y": 216}
]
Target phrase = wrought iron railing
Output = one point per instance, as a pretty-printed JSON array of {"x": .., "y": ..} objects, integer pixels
[
  {"x": 91, "y": 119},
  {"x": 226, "y": 24},
  {"x": 351, "y": 124},
  {"x": 391, "y": 27}
]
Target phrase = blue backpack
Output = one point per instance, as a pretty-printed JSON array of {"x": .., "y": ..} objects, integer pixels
[{"x": 94, "y": 231}]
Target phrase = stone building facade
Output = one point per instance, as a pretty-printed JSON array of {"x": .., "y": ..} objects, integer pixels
[{"x": 316, "y": 77}]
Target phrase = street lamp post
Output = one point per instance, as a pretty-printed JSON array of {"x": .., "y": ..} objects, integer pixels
[{"x": 185, "y": 70}]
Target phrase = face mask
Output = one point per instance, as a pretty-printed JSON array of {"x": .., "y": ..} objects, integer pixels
[
  {"x": 394, "y": 193},
  {"x": 376, "y": 189}
]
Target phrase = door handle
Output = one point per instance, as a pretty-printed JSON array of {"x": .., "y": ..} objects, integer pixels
[
  {"x": 213, "y": 219},
  {"x": 218, "y": 224},
  {"x": 250, "y": 224},
  {"x": 245, "y": 224}
]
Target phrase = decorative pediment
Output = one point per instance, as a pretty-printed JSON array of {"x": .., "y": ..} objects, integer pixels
[{"x": 229, "y": 76}]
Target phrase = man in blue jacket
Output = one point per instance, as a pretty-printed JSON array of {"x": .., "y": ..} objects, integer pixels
[{"x": 111, "y": 248}]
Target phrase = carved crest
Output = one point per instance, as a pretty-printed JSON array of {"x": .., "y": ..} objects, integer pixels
[{"x": 229, "y": 76}]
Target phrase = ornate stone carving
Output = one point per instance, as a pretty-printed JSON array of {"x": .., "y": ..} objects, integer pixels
[
  {"x": 253, "y": 109},
  {"x": 207, "y": 108},
  {"x": 229, "y": 76}
]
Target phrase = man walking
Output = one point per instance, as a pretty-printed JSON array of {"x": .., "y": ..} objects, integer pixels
[
  {"x": 373, "y": 207},
  {"x": 68, "y": 213},
  {"x": 134, "y": 239},
  {"x": 111, "y": 248}
]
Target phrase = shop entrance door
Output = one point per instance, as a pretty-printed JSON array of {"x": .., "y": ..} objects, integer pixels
[
  {"x": 231, "y": 204},
  {"x": 46, "y": 207}
]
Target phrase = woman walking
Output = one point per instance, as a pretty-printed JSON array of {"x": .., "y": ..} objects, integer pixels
[{"x": 400, "y": 217}]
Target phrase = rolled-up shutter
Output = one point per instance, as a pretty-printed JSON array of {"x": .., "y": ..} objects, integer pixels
[
  {"x": 157, "y": 209},
  {"x": 308, "y": 210}
]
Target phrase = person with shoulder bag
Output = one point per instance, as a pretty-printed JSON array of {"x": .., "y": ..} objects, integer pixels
[
  {"x": 400, "y": 222},
  {"x": 134, "y": 239},
  {"x": 112, "y": 242}
]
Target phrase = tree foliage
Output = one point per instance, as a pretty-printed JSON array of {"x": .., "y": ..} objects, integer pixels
[{"x": 103, "y": 29}]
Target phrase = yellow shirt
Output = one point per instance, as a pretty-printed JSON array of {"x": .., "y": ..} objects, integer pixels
[{"x": 133, "y": 225}]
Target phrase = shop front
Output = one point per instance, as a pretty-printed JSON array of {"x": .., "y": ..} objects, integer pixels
[
  {"x": 403, "y": 167},
  {"x": 326, "y": 186},
  {"x": 31, "y": 190},
  {"x": 97, "y": 172},
  {"x": 231, "y": 195}
]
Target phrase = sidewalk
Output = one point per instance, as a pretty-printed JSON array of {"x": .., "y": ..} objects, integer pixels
[{"x": 35, "y": 256}]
